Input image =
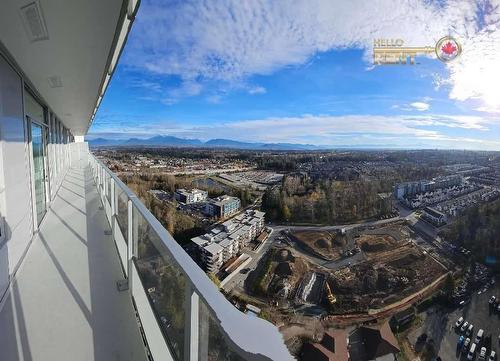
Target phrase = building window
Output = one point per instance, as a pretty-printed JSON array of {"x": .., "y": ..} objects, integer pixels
[{"x": 34, "y": 110}]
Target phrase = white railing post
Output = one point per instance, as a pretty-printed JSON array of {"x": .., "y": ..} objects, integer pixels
[
  {"x": 192, "y": 322},
  {"x": 101, "y": 183},
  {"x": 103, "y": 193},
  {"x": 130, "y": 238},
  {"x": 99, "y": 178},
  {"x": 112, "y": 200}
]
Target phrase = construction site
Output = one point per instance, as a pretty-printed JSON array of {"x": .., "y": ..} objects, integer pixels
[
  {"x": 380, "y": 282},
  {"x": 389, "y": 268},
  {"x": 322, "y": 244}
]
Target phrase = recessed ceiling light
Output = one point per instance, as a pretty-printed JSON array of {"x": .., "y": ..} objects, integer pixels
[{"x": 33, "y": 22}]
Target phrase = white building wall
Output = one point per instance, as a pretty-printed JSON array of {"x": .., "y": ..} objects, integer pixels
[
  {"x": 17, "y": 220},
  {"x": 15, "y": 187}
]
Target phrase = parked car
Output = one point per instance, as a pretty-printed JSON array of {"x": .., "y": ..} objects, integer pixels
[
  {"x": 493, "y": 356},
  {"x": 472, "y": 351},
  {"x": 464, "y": 326},
  {"x": 461, "y": 341},
  {"x": 459, "y": 322},
  {"x": 479, "y": 336},
  {"x": 466, "y": 345},
  {"x": 482, "y": 353},
  {"x": 469, "y": 330},
  {"x": 492, "y": 300}
]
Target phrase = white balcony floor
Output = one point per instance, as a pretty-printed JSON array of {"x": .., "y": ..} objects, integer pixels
[{"x": 64, "y": 304}]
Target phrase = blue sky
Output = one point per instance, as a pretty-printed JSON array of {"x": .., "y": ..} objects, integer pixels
[{"x": 301, "y": 72}]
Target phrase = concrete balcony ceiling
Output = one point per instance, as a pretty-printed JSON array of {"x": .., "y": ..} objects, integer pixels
[{"x": 68, "y": 50}]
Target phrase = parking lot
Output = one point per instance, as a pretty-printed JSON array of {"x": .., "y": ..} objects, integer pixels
[{"x": 439, "y": 325}]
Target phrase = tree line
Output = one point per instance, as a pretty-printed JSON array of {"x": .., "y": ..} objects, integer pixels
[
  {"x": 478, "y": 229},
  {"x": 299, "y": 199}
]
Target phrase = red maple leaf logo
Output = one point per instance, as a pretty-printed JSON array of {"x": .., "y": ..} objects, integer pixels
[{"x": 448, "y": 48}]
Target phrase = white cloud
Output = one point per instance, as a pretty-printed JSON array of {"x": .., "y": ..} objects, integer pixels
[
  {"x": 420, "y": 106},
  {"x": 257, "y": 90},
  {"x": 187, "y": 88},
  {"x": 150, "y": 86},
  {"x": 214, "y": 99},
  {"x": 321, "y": 125},
  {"x": 229, "y": 40},
  {"x": 476, "y": 74},
  {"x": 407, "y": 131}
]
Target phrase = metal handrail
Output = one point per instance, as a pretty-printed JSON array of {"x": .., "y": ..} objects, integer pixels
[{"x": 253, "y": 338}]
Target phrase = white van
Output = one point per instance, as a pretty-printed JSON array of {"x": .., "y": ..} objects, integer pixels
[
  {"x": 472, "y": 351},
  {"x": 479, "y": 336}
]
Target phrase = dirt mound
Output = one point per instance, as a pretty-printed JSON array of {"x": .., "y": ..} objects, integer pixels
[
  {"x": 322, "y": 243},
  {"x": 406, "y": 260},
  {"x": 374, "y": 247},
  {"x": 284, "y": 256},
  {"x": 376, "y": 243},
  {"x": 319, "y": 243},
  {"x": 283, "y": 269}
]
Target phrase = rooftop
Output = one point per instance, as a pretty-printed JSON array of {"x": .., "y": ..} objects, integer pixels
[
  {"x": 371, "y": 342},
  {"x": 434, "y": 212},
  {"x": 333, "y": 347},
  {"x": 223, "y": 200},
  {"x": 214, "y": 248},
  {"x": 230, "y": 229}
]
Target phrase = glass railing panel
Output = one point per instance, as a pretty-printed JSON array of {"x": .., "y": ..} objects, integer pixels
[
  {"x": 213, "y": 344},
  {"x": 164, "y": 282},
  {"x": 122, "y": 211}
]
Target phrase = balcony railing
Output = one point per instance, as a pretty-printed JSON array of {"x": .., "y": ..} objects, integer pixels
[{"x": 183, "y": 315}]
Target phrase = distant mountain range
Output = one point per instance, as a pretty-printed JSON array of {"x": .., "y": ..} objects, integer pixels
[{"x": 171, "y": 141}]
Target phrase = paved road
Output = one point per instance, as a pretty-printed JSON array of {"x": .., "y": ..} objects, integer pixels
[
  {"x": 238, "y": 279},
  {"x": 347, "y": 227}
]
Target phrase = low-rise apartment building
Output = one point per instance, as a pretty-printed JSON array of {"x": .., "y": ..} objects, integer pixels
[
  {"x": 408, "y": 189},
  {"x": 191, "y": 196},
  {"x": 223, "y": 206},
  {"x": 227, "y": 239}
]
